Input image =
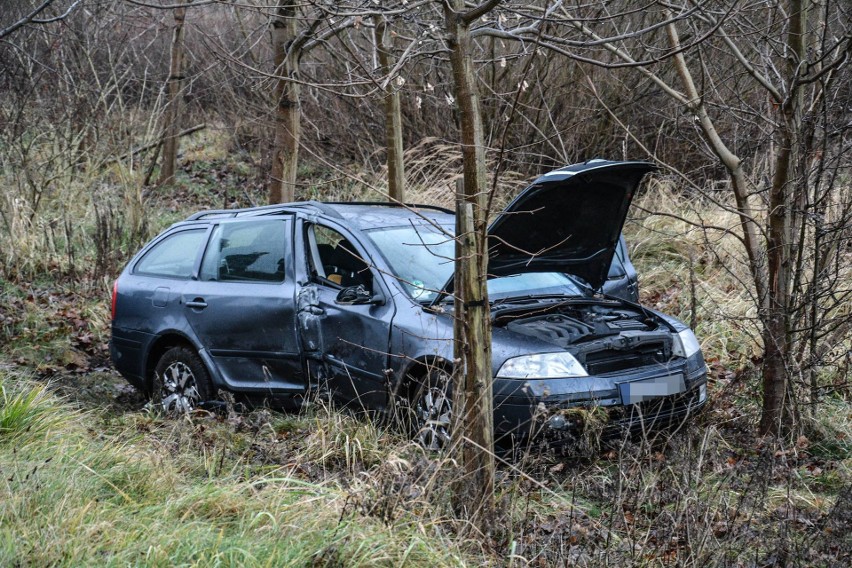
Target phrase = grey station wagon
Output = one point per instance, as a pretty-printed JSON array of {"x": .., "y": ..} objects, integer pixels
[{"x": 352, "y": 300}]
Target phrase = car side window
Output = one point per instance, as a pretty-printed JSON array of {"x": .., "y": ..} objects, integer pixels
[
  {"x": 616, "y": 268},
  {"x": 336, "y": 261},
  {"x": 174, "y": 256},
  {"x": 251, "y": 251}
]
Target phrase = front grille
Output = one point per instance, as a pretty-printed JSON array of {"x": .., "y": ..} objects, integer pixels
[{"x": 612, "y": 360}]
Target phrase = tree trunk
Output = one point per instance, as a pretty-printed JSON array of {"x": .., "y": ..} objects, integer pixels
[
  {"x": 171, "y": 118},
  {"x": 782, "y": 197},
  {"x": 769, "y": 261},
  {"x": 288, "y": 112},
  {"x": 474, "y": 423},
  {"x": 393, "y": 117},
  {"x": 775, "y": 344}
]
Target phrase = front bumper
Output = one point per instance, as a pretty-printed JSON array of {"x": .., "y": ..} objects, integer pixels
[{"x": 565, "y": 408}]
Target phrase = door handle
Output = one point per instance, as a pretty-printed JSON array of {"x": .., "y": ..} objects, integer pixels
[{"x": 197, "y": 304}]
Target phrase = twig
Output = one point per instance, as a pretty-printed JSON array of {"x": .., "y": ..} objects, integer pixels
[{"x": 155, "y": 144}]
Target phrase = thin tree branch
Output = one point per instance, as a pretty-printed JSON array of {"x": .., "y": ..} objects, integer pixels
[
  {"x": 481, "y": 10},
  {"x": 29, "y": 18},
  {"x": 155, "y": 144}
]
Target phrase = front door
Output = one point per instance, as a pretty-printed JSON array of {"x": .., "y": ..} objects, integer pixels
[
  {"x": 242, "y": 307},
  {"x": 345, "y": 342}
]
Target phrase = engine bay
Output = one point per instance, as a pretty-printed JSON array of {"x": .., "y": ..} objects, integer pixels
[{"x": 604, "y": 336}]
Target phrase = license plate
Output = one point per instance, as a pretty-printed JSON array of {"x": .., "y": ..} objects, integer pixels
[{"x": 647, "y": 389}]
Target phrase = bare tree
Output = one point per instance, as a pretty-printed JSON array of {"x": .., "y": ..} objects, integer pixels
[
  {"x": 474, "y": 397},
  {"x": 393, "y": 113},
  {"x": 290, "y": 42},
  {"x": 172, "y": 114},
  {"x": 282, "y": 177},
  {"x": 797, "y": 60}
]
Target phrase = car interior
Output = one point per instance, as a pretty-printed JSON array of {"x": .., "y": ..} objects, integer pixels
[{"x": 336, "y": 260}]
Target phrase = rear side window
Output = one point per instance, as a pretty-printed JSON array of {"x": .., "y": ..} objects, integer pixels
[
  {"x": 174, "y": 256},
  {"x": 616, "y": 269},
  {"x": 246, "y": 252}
]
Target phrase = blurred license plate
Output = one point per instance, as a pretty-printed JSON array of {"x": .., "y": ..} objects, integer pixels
[{"x": 647, "y": 389}]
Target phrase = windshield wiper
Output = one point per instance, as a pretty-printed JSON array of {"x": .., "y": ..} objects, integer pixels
[{"x": 516, "y": 299}]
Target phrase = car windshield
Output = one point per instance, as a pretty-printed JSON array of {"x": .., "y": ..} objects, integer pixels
[{"x": 421, "y": 257}]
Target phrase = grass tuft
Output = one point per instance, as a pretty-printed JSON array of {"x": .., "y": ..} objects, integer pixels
[{"x": 29, "y": 413}]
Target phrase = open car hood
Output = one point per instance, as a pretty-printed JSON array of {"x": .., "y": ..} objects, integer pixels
[{"x": 569, "y": 220}]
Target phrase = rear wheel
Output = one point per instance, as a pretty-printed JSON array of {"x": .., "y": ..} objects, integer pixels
[
  {"x": 432, "y": 409},
  {"x": 180, "y": 381}
]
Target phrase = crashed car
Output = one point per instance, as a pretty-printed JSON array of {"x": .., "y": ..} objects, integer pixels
[{"x": 354, "y": 300}]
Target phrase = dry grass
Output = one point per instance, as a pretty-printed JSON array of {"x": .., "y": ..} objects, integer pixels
[
  {"x": 697, "y": 274},
  {"x": 117, "y": 485}
]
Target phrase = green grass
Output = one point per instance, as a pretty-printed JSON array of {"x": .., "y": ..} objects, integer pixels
[
  {"x": 117, "y": 485},
  {"x": 144, "y": 492},
  {"x": 27, "y": 414}
]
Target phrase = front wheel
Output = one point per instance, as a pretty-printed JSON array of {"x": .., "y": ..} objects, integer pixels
[
  {"x": 181, "y": 381},
  {"x": 432, "y": 406}
]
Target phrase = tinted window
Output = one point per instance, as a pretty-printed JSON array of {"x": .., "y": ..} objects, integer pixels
[
  {"x": 174, "y": 256},
  {"x": 246, "y": 252}
]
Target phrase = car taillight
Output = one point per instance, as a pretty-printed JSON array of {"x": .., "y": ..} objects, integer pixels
[{"x": 114, "y": 296}]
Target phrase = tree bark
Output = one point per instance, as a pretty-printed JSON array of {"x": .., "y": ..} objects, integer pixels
[
  {"x": 475, "y": 420},
  {"x": 393, "y": 116},
  {"x": 171, "y": 117},
  {"x": 288, "y": 112},
  {"x": 782, "y": 196}
]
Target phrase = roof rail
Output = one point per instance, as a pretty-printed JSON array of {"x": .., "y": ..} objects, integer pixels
[
  {"x": 220, "y": 213},
  {"x": 393, "y": 204},
  {"x": 325, "y": 207}
]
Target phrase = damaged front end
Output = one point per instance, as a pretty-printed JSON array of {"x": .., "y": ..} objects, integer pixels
[{"x": 615, "y": 367}]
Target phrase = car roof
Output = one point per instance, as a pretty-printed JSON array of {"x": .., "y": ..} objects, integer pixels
[{"x": 361, "y": 215}]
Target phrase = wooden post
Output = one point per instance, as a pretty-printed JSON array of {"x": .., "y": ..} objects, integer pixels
[
  {"x": 473, "y": 423},
  {"x": 459, "y": 329}
]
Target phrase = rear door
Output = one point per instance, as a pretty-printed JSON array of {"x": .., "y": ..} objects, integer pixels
[{"x": 242, "y": 306}]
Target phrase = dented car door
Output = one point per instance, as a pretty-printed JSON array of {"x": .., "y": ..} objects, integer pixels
[{"x": 344, "y": 331}]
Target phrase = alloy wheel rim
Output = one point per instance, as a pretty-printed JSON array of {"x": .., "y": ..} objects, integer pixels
[
  {"x": 434, "y": 411},
  {"x": 180, "y": 390}
]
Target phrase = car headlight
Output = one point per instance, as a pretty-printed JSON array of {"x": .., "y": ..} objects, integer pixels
[
  {"x": 542, "y": 366},
  {"x": 685, "y": 344}
]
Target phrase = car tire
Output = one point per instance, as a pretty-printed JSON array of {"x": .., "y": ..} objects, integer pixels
[
  {"x": 181, "y": 382},
  {"x": 431, "y": 404}
]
